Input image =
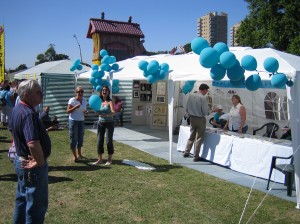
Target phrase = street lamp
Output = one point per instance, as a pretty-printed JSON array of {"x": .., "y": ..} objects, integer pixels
[{"x": 79, "y": 47}]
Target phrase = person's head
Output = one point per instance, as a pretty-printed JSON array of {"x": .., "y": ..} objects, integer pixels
[
  {"x": 79, "y": 92},
  {"x": 6, "y": 88},
  {"x": 54, "y": 118},
  {"x": 236, "y": 99},
  {"x": 47, "y": 109},
  {"x": 203, "y": 88},
  {"x": 105, "y": 93},
  {"x": 117, "y": 99},
  {"x": 30, "y": 92},
  {"x": 220, "y": 109}
]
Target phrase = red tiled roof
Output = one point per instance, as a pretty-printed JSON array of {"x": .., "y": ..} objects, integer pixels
[{"x": 115, "y": 27}]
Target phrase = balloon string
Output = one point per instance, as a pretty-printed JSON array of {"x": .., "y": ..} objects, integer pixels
[{"x": 247, "y": 202}]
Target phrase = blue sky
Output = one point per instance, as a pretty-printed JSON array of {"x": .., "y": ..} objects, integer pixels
[{"x": 30, "y": 26}]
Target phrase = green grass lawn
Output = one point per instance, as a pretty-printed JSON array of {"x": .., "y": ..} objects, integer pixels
[{"x": 83, "y": 193}]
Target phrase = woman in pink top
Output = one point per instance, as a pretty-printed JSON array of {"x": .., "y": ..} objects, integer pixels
[{"x": 118, "y": 109}]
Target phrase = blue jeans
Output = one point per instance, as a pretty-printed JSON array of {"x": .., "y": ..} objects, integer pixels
[
  {"x": 31, "y": 194},
  {"x": 102, "y": 127},
  {"x": 76, "y": 130}
]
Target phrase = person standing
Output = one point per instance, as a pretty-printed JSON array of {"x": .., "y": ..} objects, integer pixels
[
  {"x": 77, "y": 107},
  {"x": 197, "y": 109},
  {"x": 105, "y": 124},
  {"x": 7, "y": 99},
  {"x": 33, "y": 147},
  {"x": 118, "y": 111},
  {"x": 237, "y": 116}
]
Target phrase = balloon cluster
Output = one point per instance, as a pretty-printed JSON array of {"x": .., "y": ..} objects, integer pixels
[
  {"x": 153, "y": 71},
  {"x": 76, "y": 65},
  {"x": 98, "y": 72},
  {"x": 221, "y": 61},
  {"x": 188, "y": 86}
]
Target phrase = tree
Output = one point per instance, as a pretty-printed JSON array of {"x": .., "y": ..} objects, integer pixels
[
  {"x": 50, "y": 55},
  {"x": 273, "y": 22}
]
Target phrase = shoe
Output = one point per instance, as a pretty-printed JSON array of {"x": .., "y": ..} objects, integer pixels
[
  {"x": 97, "y": 162},
  {"x": 108, "y": 163},
  {"x": 198, "y": 159},
  {"x": 186, "y": 154}
]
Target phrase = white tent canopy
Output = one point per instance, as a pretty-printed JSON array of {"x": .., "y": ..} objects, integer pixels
[{"x": 187, "y": 67}]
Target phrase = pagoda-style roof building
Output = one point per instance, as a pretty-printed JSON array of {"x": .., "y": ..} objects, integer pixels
[{"x": 121, "y": 39}]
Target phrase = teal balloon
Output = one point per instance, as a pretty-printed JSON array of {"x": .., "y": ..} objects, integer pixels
[
  {"x": 77, "y": 62},
  {"x": 271, "y": 64},
  {"x": 115, "y": 67},
  {"x": 249, "y": 63},
  {"x": 73, "y": 68},
  {"x": 95, "y": 73},
  {"x": 104, "y": 67},
  {"x": 98, "y": 88},
  {"x": 79, "y": 67},
  {"x": 165, "y": 67},
  {"x": 143, "y": 65},
  {"x": 101, "y": 74},
  {"x": 146, "y": 73},
  {"x": 115, "y": 89},
  {"x": 103, "y": 53},
  {"x": 95, "y": 102},
  {"x": 253, "y": 82},
  {"x": 153, "y": 66},
  {"x": 278, "y": 80},
  {"x": 238, "y": 83},
  {"x": 95, "y": 67},
  {"x": 151, "y": 79},
  {"x": 221, "y": 47},
  {"x": 236, "y": 72},
  {"x": 198, "y": 44},
  {"x": 186, "y": 88},
  {"x": 208, "y": 57},
  {"x": 162, "y": 74},
  {"x": 115, "y": 82},
  {"x": 105, "y": 59},
  {"x": 217, "y": 72},
  {"x": 227, "y": 59},
  {"x": 92, "y": 80},
  {"x": 112, "y": 59}
]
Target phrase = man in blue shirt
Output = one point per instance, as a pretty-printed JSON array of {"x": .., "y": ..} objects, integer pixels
[{"x": 33, "y": 146}]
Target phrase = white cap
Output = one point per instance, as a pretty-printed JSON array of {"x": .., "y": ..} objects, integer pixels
[{"x": 219, "y": 107}]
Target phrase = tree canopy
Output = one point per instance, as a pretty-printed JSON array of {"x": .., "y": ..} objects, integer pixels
[
  {"x": 50, "y": 55},
  {"x": 273, "y": 23}
]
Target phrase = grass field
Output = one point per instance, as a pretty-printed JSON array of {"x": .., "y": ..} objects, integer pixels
[{"x": 83, "y": 193}]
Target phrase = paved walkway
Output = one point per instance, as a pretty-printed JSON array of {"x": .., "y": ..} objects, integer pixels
[{"x": 156, "y": 143}]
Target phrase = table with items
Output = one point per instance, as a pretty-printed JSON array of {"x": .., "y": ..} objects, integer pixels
[{"x": 249, "y": 154}]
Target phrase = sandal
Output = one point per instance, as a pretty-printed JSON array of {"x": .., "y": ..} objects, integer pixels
[
  {"x": 108, "y": 163},
  {"x": 97, "y": 162}
]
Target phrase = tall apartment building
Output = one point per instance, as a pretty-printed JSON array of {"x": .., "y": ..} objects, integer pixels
[
  {"x": 233, "y": 30},
  {"x": 213, "y": 27}
]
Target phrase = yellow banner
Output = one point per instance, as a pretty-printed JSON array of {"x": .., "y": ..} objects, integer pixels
[{"x": 2, "y": 53}]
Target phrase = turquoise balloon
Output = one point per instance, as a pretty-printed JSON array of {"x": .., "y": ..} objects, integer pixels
[
  {"x": 77, "y": 62},
  {"x": 249, "y": 63},
  {"x": 151, "y": 79},
  {"x": 165, "y": 67},
  {"x": 198, "y": 44},
  {"x": 208, "y": 57},
  {"x": 92, "y": 80},
  {"x": 236, "y": 72},
  {"x": 104, "y": 67},
  {"x": 95, "y": 67},
  {"x": 95, "y": 102},
  {"x": 105, "y": 60},
  {"x": 153, "y": 66},
  {"x": 115, "y": 67},
  {"x": 227, "y": 59},
  {"x": 271, "y": 64},
  {"x": 79, "y": 67},
  {"x": 146, "y": 73},
  {"x": 253, "y": 82},
  {"x": 162, "y": 74},
  {"x": 101, "y": 74},
  {"x": 95, "y": 74},
  {"x": 278, "y": 80},
  {"x": 116, "y": 82},
  {"x": 98, "y": 88},
  {"x": 143, "y": 65},
  {"x": 73, "y": 68},
  {"x": 238, "y": 83},
  {"x": 217, "y": 72},
  {"x": 221, "y": 47},
  {"x": 112, "y": 59},
  {"x": 103, "y": 53}
]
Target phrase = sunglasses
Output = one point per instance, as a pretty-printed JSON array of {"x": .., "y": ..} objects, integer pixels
[{"x": 80, "y": 91}]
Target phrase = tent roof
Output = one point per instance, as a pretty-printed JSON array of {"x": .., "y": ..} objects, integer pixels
[
  {"x": 53, "y": 67},
  {"x": 187, "y": 67}
]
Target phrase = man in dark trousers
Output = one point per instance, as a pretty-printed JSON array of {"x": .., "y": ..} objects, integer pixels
[
  {"x": 197, "y": 109},
  {"x": 33, "y": 146}
]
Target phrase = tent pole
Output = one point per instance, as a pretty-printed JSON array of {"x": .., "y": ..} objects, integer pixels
[{"x": 170, "y": 117}]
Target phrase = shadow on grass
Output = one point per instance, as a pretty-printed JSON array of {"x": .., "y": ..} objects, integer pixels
[
  {"x": 9, "y": 177},
  {"x": 88, "y": 167},
  {"x": 3, "y": 150},
  {"x": 54, "y": 179}
]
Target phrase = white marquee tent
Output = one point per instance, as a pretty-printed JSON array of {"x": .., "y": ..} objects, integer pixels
[{"x": 187, "y": 67}]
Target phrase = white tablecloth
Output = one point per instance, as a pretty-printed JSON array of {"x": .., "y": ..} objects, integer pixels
[{"x": 245, "y": 155}]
